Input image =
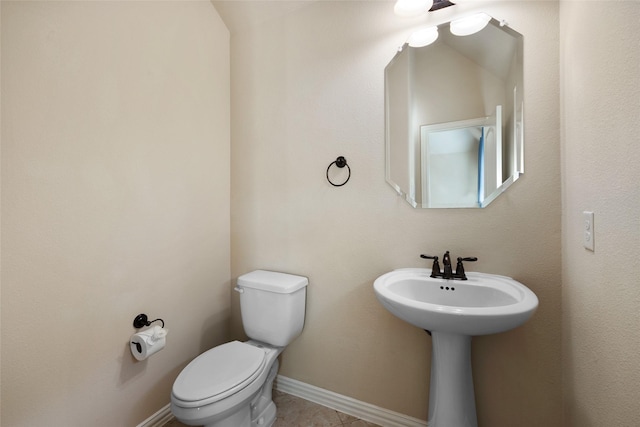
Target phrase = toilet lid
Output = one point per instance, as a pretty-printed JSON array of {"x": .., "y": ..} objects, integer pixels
[{"x": 223, "y": 370}]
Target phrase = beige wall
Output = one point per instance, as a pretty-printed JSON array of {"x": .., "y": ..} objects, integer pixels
[
  {"x": 115, "y": 201},
  {"x": 307, "y": 86},
  {"x": 600, "y": 63}
]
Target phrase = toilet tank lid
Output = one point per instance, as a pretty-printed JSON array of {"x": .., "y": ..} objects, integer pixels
[{"x": 272, "y": 281}]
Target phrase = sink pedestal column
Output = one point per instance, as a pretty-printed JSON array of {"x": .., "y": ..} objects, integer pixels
[{"x": 451, "y": 399}]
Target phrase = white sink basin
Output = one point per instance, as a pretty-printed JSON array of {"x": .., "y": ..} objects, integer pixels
[{"x": 483, "y": 304}]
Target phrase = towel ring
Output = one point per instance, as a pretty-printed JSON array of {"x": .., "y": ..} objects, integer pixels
[{"x": 340, "y": 162}]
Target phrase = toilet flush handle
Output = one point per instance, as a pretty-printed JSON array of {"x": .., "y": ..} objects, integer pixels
[{"x": 238, "y": 289}]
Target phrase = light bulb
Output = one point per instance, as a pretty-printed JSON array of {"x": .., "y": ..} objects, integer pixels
[
  {"x": 469, "y": 24},
  {"x": 423, "y": 37},
  {"x": 411, "y": 8}
]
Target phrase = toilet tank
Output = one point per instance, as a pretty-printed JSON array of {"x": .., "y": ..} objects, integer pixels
[{"x": 272, "y": 305}]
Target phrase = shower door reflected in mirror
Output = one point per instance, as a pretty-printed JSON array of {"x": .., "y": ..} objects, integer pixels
[
  {"x": 454, "y": 118},
  {"x": 461, "y": 163}
]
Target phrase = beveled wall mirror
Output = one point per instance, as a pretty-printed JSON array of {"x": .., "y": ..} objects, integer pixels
[{"x": 454, "y": 118}]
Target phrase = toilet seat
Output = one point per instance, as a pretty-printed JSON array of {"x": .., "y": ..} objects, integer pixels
[{"x": 219, "y": 373}]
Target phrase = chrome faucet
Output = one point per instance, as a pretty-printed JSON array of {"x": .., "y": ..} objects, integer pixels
[{"x": 448, "y": 273}]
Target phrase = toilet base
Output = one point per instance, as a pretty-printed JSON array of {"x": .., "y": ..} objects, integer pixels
[
  {"x": 267, "y": 417},
  {"x": 242, "y": 417},
  {"x": 264, "y": 409}
]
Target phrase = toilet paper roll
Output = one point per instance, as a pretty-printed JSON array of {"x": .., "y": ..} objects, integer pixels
[{"x": 150, "y": 341}]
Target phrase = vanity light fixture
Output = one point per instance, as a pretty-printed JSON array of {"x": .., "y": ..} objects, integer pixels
[
  {"x": 439, "y": 4},
  {"x": 469, "y": 24},
  {"x": 423, "y": 37},
  {"x": 413, "y": 8}
]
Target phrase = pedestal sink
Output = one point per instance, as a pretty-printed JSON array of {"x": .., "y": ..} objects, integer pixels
[{"x": 453, "y": 311}]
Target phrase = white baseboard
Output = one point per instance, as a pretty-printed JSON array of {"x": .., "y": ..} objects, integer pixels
[
  {"x": 158, "y": 419},
  {"x": 346, "y": 405}
]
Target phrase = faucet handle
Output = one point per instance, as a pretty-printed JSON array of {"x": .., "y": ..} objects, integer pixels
[
  {"x": 460, "y": 274},
  {"x": 435, "y": 268}
]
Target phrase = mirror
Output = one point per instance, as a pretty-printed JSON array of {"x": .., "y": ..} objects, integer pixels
[{"x": 454, "y": 118}]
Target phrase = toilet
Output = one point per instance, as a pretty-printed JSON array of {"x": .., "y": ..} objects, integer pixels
[{"x": 230, "y": 385}]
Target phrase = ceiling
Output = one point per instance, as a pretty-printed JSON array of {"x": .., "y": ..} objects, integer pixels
[{"x": 239, "y": 14}]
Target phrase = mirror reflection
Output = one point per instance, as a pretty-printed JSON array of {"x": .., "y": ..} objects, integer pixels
[{"x": 454, "y": 117}]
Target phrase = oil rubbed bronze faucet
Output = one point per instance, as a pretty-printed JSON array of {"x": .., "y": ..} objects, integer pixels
[{"x": 448, "y": 273}]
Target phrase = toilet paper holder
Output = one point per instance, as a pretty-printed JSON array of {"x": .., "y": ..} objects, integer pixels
[
  {"x": 149, "y": 341},
  {"x": 142, "y": 320}
]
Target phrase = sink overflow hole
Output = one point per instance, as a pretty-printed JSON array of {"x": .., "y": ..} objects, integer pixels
[{"x": 448, "y": 288}]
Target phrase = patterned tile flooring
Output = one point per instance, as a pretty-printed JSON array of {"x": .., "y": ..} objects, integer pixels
[{"x": 296, "y": 412}]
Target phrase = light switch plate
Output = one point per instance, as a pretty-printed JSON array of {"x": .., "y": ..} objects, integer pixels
[{"x": 588, "y": 232}]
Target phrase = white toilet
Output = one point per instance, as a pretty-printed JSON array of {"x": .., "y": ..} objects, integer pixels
[{"x": 230, "y": 385}]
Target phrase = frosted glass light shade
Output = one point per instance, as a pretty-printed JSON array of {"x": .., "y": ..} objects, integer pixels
[
  {"x": 411, "y": 8},
  {"x": 469, "y": 24},
  {"x": 423, "y": 37}
]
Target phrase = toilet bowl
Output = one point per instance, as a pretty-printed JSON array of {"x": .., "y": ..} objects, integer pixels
[
  {"x": 230, "y": 385},
  {"x": 221, "y": 386}
]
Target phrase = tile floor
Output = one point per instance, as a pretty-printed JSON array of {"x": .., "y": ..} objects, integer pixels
[{"x": 296, "y": 412}]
